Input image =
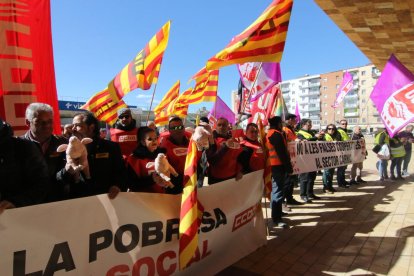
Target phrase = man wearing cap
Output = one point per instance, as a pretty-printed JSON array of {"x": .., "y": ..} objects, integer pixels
[
  {"x": 281, "y": 167},
  {"x": 176, "y": 143},
  {"x": 23, "y": 171},
  {"x": 289, "y": 130},
  {"x": 124, "y": 132}
]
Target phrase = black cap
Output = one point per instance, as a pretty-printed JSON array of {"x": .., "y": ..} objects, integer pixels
[{"x": 290, "y": 116}]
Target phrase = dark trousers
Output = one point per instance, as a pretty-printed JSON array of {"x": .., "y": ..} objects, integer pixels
[
  {"x": 327, "y": 178},
  {"x": 307, "y": 180},
  {"x": 340, "y": 175},
  {"x": 289, "y": 185},
  {"x": 278, "y": 183},
  {"x": 407, "y": 159},
  {"x": 396, "y": 164}
]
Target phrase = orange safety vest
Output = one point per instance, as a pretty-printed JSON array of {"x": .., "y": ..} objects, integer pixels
[
  {"x": 273, "y": 157},
  {"x": 290, "y": 134}
]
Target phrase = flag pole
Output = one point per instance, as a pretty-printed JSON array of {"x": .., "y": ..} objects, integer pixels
[{"x": 152, "y": 99}]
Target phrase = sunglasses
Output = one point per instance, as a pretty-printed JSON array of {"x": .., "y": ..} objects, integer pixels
[
  {"x": 330, "y": 128},
  {"x": 124, "y": 116},
  {"x": 344, "y": 124},
  {"x": 176, "y": 127}
]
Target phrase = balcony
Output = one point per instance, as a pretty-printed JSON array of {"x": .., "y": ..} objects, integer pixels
[
  {"x": 315, "y": 84},
  {"x": 315, "y": 108},
  {"x": 351, "y": 96},
  {"x": 351, "y": 114},
  {"x": 351, "y": 104},
  {"x": 304, "y": 84},
  {"x": 313, "y": 92}
]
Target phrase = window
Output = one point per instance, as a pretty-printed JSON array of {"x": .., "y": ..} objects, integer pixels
[
  {"x": 326, "y": 113},
  {"x": 325, "y": 88},
  {"x": 325, "y": 79},
  {"x": 363, "y": 92},
  {"x": 337, "y": 86},
  {"x": 338, "y": 112},
  {"x": 325, "y": 96},
  {"x": 364, "y": 120},
  {"x": 363, "y": 82},
  {"x": 362, "y": 73},
  {"x": 337, "y": 77},
  {"x": 325, "y": 104}
]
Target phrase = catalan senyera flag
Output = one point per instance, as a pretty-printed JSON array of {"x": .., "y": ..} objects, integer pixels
[
  {"x": 171, "y": 95},
  {"x": 267, "y": 173},
  {"x": 103, "y": 107},
  {"x": 206, "y": 87},
  {"x": 263, "y": 40},
  {"x": 191, "y": 210},
  {"x": 144, "y": 69}
]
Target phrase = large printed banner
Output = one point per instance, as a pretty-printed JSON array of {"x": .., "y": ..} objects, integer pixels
[
  {"x": 314, "y": 156},
  {"x": 135, "y": 234},
  {"x": 26, "y": 61}
]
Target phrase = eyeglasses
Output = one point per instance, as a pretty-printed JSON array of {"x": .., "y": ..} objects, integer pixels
[
  {"x": 176, "y": 127},
  {"x": 124, "y": 116}
]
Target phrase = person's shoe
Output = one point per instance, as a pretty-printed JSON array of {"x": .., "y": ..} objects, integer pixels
[
  {"x": 314, "y": 197},
  {"x": 353, "y": 182},
  {"x": 284, "y": 214},
  {"x": 343, "y": 186},
  {"x": 386, "y": 176},
  {"x": 360, "y": 180},
  {"x": 327, "y": 191},
  {"x": 306, "y": 199},
  {"x": 280, "y": 223},
  {"x": 381, "y": 179},
  {"x": 286, "y": 208},
  {"x": 293, "y": 202},
  {"x": 405, "y": 174},
  {"x": 393, "y": 177},
  {"x": 332, "y": 189},
  {"x": 400, "y": 177}
]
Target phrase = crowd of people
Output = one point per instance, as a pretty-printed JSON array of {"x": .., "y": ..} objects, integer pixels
[{"x": 122, "y": 157}]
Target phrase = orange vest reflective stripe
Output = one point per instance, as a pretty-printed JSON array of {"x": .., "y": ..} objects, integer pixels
[{"x": 273, "y": 157}]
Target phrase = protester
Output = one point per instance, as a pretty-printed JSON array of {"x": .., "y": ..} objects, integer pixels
[
  {"x": 281, "y": 167},
  {"x": 67, "y": 130},
  {"x": 382, "y": 139},
  {"x": 39, "y": 119},
  {"x": 223, "y": 162},
  {"x": 340, "y": 171},
  {"x": 357, "y": 135},
  {"x": 151, "y": 124},
  {"x": 124, "y": 132},
  {"x": 397, "y": 155},
  {"x": 331, "y": 135},
  {"x": 23, "y": 171},
  {"x": 176, "y": 143},
  {"x": 291, "y": 180},
  {"x": 141, "y": 175},
  {"x": 106, "y": 165},
  {"x": 252, "y": 157},
  {"x": 408, "y": 135},
  {"x": 307, "y": 180}
]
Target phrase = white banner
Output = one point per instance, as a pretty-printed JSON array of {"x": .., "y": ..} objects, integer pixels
[
  {"x": 309, "y": 156},
  {"x": 135, "y": 234}
]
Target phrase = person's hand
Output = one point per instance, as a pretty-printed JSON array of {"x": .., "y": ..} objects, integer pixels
[
  {"x": 72, "y": 172},
  {"x": 161, "y": 182},
  {"x": 113, "y": 192},
  {"x": 4, "y": 204}
]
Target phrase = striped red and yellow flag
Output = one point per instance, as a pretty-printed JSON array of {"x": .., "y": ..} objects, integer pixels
[
  {"x": 206, "y": 87},
  {"x": 267, "y": 173},
  {"x": 144, "y": 69},
  {"x": 170, "y": 96},
  {"x": 263, "y": 40},
  {"x": 103, "y": 107},
  {"x": 191, "y": 210}
]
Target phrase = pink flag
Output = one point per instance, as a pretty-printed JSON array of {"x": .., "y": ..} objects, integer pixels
[
  {"x": 259, "y": 77},
  {"x": 263, "y": 108},
  {"x": 297, "y": 113},
  {"x": 393, "y": 95},
  {"x": 346, "y": 86},
  {"x": 221, "y": 110}
]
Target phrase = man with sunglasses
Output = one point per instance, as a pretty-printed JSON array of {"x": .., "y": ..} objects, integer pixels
[
  {"x": 176, "y": 141},
  {"x": 340, "y": 171},
  {"x": 124, "y": 132}
]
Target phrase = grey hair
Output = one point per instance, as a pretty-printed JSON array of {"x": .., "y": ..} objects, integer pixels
[{"x": 33, "y": 110}]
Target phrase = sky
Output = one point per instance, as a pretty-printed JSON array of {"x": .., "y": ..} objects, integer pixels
[{"x": 93, "y": 40}]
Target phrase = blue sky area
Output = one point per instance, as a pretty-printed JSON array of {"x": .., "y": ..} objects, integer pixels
[{"x": 93, "y": 40}]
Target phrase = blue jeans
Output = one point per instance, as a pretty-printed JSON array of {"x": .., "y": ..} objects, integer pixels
[
  {"x": 327, "y": 178},
  {"x": 382, "y": 168},
  {"x": 277, "y": 196},
  {"x": 396, "y": 164},
  {"x": 407, "y": 159}
]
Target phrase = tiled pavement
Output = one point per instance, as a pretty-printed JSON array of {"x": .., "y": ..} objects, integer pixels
[{"x": 365, "y": 230}]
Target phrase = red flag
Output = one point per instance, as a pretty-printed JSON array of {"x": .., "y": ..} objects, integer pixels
[{"x": 26, "y": 61}]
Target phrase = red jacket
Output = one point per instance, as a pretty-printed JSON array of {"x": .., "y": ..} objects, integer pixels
[
  {"x": 257, "y": 156},
  {"x": 127, "y": 140},
  {"x": 224, "y": 164}
]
